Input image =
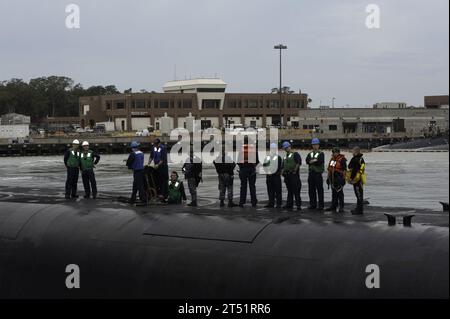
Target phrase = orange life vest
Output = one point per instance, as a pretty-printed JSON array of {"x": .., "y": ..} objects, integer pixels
[
  {"x": 249, "y": 152},
  {"x": 335, "y": 164}
]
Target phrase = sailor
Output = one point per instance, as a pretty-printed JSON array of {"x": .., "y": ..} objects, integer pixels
[
  {"x": 316, "y": 162},
  {"x": 247, "y": 172},
  {"x": 291, "y": 172},
  {"x": 176, "y": 193},
  {"x": 135, "y": 162},
  {"x": 88, "y": 160},
  {"x": 192, "y": 169},
  {"x": 336, "y": 180},
  {"x": 225, "y": 165},
  {"x": 272, "y": 166},
  {"x": 72, "y": 163},
  {"x": 357, "y": 177},
  {"x": 158, "y": 156}
]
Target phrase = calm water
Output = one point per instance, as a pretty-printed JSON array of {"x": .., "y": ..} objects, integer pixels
[{"x": 394, "y": 179}]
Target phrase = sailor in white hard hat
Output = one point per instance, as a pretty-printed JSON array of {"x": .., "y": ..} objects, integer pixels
[
  {"x": 88, "y": 160},
  {"x": 72, "y": 162}
]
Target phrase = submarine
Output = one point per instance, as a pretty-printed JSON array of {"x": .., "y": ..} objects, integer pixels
[{"x": 177, "y": 252}]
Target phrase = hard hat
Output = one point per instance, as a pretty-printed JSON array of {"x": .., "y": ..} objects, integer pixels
[
  {"x": 286, "y": 145},
  {"x": 85, "y": 143},
  {"x": 315, "y": 141},
  {"x": 76, "y": 142},
  {"x": 134, "y": 144},
  {"x": 274, "y": 146}
]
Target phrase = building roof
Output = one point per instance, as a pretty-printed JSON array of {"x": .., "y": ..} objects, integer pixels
[{"x": 194, "y": 83}]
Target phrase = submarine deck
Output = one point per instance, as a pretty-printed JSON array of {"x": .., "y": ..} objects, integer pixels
[{"x": 206, "y": 207}]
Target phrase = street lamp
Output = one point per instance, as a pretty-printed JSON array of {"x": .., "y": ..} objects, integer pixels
[{"x": 280, "y": 47}]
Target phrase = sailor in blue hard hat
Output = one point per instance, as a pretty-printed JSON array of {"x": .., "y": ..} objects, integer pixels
[
  {"x": 291, "y": 172},
  {"x": 272, "y": 167},
  {"x": 285, "y": 145},
  {"x": 316, "y": 163},
  {"x": 135, "y": 162}
]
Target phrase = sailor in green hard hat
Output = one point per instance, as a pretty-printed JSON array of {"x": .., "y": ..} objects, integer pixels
[
  {"x": 316, "y": 163},
  {"x": 72, "y": 163}
]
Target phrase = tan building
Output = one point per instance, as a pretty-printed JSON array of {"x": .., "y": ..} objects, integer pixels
[{"x": 202, "y": 99}]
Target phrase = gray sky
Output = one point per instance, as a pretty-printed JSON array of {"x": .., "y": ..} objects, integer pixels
[{"x": 331, "y": 53}]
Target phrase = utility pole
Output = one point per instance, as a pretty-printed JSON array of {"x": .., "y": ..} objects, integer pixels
[{"x": 280, "y": 47}]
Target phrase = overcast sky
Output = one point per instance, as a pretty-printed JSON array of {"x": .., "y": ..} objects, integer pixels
[{"x": 331, "y": 53}]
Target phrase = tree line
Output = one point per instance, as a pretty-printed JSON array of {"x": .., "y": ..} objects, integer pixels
[{"x": 46, "y": 96}]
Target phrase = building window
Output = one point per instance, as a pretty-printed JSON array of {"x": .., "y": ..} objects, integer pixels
[
  {"x": 187, "y": 104},
  {"x": 210, "y": 104},
  {"x": 164, "y": 104},
  {"x": 332, "y": 127},
  {"x": 253, "y": 104},
  {"x": 211, "y": 90},
  {"x": 294, "y": 104},
  {"x": 120, "y": 104},
  {"x": 179, "y": 104},
  {"x": 274, "y": 104},
  {"x": 108, "y": 105},
  {"x": 138, "y": 104},
  {"x": 233, "y": 104},
  {"x": 155, "y": 104}
]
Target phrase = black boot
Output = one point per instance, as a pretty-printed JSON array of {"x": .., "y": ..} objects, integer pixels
[
  {"x": 231, "y": 204},
  {"x": 192, "y": 204},
  {"x": 222, "y": 203},
  {"x": 357, "y": 211}
]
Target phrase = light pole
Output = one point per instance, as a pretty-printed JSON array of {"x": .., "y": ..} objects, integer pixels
[
  {"x": 280, "y": 47},
  {"x": 332, "y": 102}
]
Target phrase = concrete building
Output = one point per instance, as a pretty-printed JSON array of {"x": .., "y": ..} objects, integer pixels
[
  {"x": 14, "y": 131},
  {"x": 436, "y": 101},
  {"x": 202, "y": 99},
  {"x": 374, "y": 122}
]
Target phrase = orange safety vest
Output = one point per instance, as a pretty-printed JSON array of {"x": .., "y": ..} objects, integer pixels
[
  {"x": 335, "y": 164},
  {"x": 249, "y": 149}
]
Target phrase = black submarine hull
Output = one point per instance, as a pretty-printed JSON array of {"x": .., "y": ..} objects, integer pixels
[{"x": 125, "y": 253}]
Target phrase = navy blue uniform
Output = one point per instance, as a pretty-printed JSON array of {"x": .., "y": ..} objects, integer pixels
[
  {"x": 136, "y": 163},
  {"x": 159, "y": 156},
  {"x": 273, "y": 179}
]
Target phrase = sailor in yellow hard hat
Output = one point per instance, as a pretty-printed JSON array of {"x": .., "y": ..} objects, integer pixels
[{"x": 357, "y": 177}]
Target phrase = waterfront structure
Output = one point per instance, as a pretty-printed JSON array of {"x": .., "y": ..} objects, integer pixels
[
  {"x": 201, "y": 99},
  {"x": 390, "y": 105},
  {"x": 374, "y": 122}
]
